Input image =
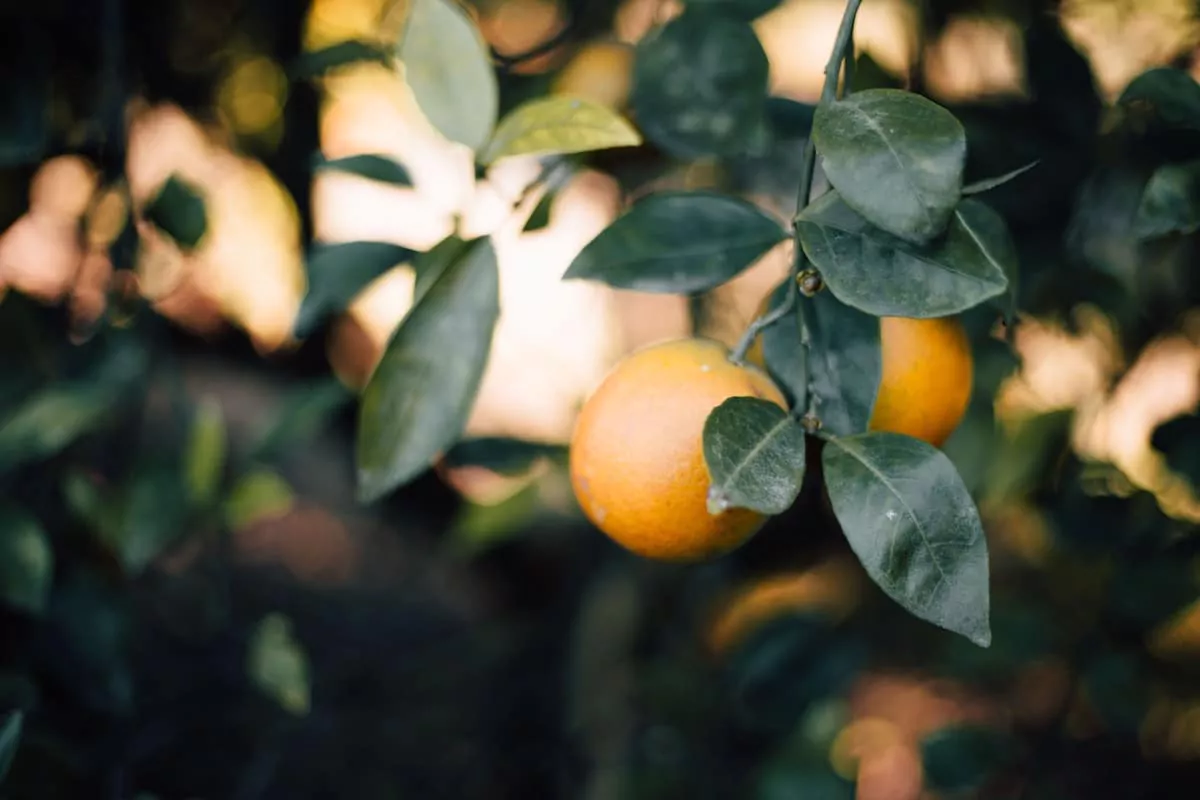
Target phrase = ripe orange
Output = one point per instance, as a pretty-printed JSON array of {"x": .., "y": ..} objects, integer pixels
[
  {"x": 602, "y": 71},
  {"x": 637, "y": 459}
]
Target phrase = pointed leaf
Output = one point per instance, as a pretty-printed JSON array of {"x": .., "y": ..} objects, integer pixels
[
  {"x": 304, "y": 412},
  {"x": 337, "y": 273},
  {"x": 26, "y": 561},
  {"x": 678, "y": 243},
  {"x": 368, "y": 165},
  {"x": 995, "y": 244},
  {"x": 147, "y": 517},
  {"x": 557, "y": 125},
  {"x": 539, "y": 218},
  {"x": 429, "y": 266},
  {"x": 417, "y": 401},
  {"x": 912, "y": 524},
  {"x": 10, "y": 740},
  {"x": 51, "y": 420},
  {"x": 504, "y": 456},
  {"x": 204, "y": 461},
  {"x": 987, "y": 184},
  {"x": 1170, "y": 202},
  {"x": 845, "y": 363},
  {"x": 755, "y": 455},
  {"x": 178, "y": 211},
  {"x": 448, "y": 67},
  {"x": 278, "y": 665},
  {"x": 895, "y": 157},
  {"x": 1171, "y": 95},
  {"x": 784, "y": 353},
  {"x": 885, "y": 276}
]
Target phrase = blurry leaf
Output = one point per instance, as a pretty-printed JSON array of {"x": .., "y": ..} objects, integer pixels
[
  {"x": 449, "y": 68},
  {"x": 539, "y": 218},
  {"x": 84, "y": 646},
  {"x": 678, "y": 243},
  {"x": 868, "y": 74},
  {"x": 305, "y": 411},
  {"x": 505, "y": 456},
  {"x": 1179, "y": 442},
  {"x": 962, "y": 758},
  {"x": 141, "y": 519},
  {"x": 478, "y": 526},
  {"x": 754, "y": 451},
  {"x": 788, "y": 118},
  {"x": 260, "y": 494},
  {"x": 1170, "y": 202},
  {"x": 745, "y": 10},
  {"x": 1147, "y": 592},
  {"x": 1025, "y": 459},
  {"x": 795, "y": 782},
  {"x": 204, "y": 459},
  {"x": 337, "y": 273},
  {"x": 987, "y": 184},
  {"x": 318, "y": 62},
  {"x": 783, "y": 349},
  {"x": 430, "y": 265},
  {"x": 368, "y": 165},
  {"x": 700, "y": 85},
  {"x": 278, "y": 665},
  {"x": 418, "y": 399},
  {"x": 914, "y": 527},
  {"x": 10, "y": 740},
  {"x": 26, "y": 561},
  {"x": 884, "y": 276},
  {"x": 1171, "y": 95},
  {"x": 1117, "y": 686},
  {"x": 178, "y": 211},
  {"x": 894, "y": 157},
  {"x": 558, "y": 125},
  {"x": 1059, "y": 77},
  {"x": 49, "y": 421},
  {"x": 845, "y": 363}
]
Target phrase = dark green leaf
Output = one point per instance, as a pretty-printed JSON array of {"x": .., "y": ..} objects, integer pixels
[
  {"x": 430, "y": 265},
  {"x": 678, "y": 243},
  {"x": 912, "y": 524},
  {"x": 337, "y": 273},
  {"x": 48, "y": 422},
  {"x": 10, "y": 740},
  {"x": 745, "y": 10},
  {"x": 792, "y": 781},
  {"x": 539, "y": 218},
  {"x": 1170, "y": 202},
  {"x": 278, "y": 665},
  {"x": 204, "y": 459},
  {"x": 144, "y": 518},
  {"x": 418, "y": 399},
  {"x": 1060, "y": 79},
  {"x": 178, "y": 211},
  {"x": 505, "y": 456},
  {"x": 1170, "y": 95},
  {"x": 1117, "y": 686},
  {"x": 869, "y": 74},
  {"x": 962, "y": 758},
  {"x": 558, "y": 125},
  {"x": 894, "y": 157},
  {"x": 784, "y": 353},
  {"x": 375, "y": 167},
  {"x": 845, "y": 363},
  {"x": 318, "y": 62},
  {"x": 994, "y": 243},
  {"x": 885, "y": 276},
  {"x": 1179, "y": 442},
  {"x": 306, "y": 410},
  {"x": 987, "y": 184},
  {"x": 755, "y": 455},
  {"x": 26, "y": 561},
  {"x": 789, "y": 119},
  {"x": 700, "y": 85},
  {"x": 449, "y": 68}
]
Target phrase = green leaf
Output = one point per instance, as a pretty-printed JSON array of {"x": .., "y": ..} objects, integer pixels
[
  {"x": 745, "y": 10},
  {"x": 143, "y": 518},
  {"x": 26, "y": 561},
  {"x": 1171, "y": 95},
  {"x": 204, "y": 459},
  {"x": 870, "y": 74},
  {"x": 885, "y": 276},
  {"x": 987, "y": 184},
  {"x": 430, "y": 265},
  {"x": 1170, "y": 202},
  {"x": 783, "y": 349},
  {"x": 678, "y": 243},
  {"x": 962, "y": 758},
  {"x": 337, "y": 273},
  {"x": 913, "y": 525},
  {"x": 178, "y": 211},
  {"x": 260, "y": 494},
  {"x": 10, "y": 740},
  {"x": 996, "y": 245},
  {"x": 305, "y": 411},
  {"x": 417, "y": 401},
  {"x": 755, "y": 455},
  {"x": 789, "y": 119},
  {"x": 1178, "y": 440},
  {"x": 894, "y": 157},
  {"x": 700, "y": 85},
  {"x": 50, "y": 421},
  {"x": 539, "y": 218},
  {"x": 558, "y": 125},
  {"x": 374, "y": 167},
  {"x": 278, "y": 665},
  {"x": 845, "y": 363},
  {"x": 352, "y": 51},
  {"x": 448, "y": 67},
  {"x": 504, "y": 456}
]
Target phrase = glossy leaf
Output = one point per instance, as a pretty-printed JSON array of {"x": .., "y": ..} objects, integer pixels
[
  {"x": 894, "y": 157},
  {"x": 258, "y": 495},
  {"x": 1171, "y": 95},
  {"x": 316, "y": 63},
  {"x": 178, "y": 211},
  {"x": 678, "y": 243},
  {"x": 558, "y": 125},
  {"x": 913, "y": 525},
  {"x": 204, "y": 458},
  {"x": 1170, "y": 202},
  {"x": 10, "y": 740},
  {"x": 448, "y": 67},
  {"x": 278, "y": 665},
  {"x": 49, "y": 421},
  {"x": 337, "y": 273},
  {"x": 885, "y": 276},
  {"x": 700, "y": 85},
  {"x": 784, "y": 353},
  {"x": 845, "y": 363},
  {"x": 755, "y": 456},
  {"x": 383, "y": 169},
  {"x": 417, "y": 401},
  {"x": 26, "y": 561}
]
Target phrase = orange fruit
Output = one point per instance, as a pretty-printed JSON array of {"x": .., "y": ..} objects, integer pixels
[
  {"x": 637, "y": 460},
  {"x": 601, "y": 71}
]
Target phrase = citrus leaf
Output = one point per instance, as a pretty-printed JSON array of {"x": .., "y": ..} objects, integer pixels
[
  {"x": 278, "y": 665},
  {"x": 987, "y": 184},
  {"x": 259, "y": 495},
  {"x": 10, "y": 740},
  {"x": 368, "y": 165},
  {"x": 895, "y": 157},
  {"x": 1172, "y": 95},
  {"x": 845, "y": 363},
  {"x": 505, "y": 456},
  {"x": 961, "y": 758},
  {"x": 145, "y": 518},
  {"x": 784, "y": 353},
  {"x": 26, "y": 561},
  {"x": 204, "y": 461},
  {"x": 1170, "y": 202},
  {"x": 430, "y": 265},
  {"x": 337, "y": 273},
  {"x": 995, "y": 244},
  {"x": 913, "y": 525},
  {"x": 178, "y": 211},
  {"x": 305, "y": 411},
  {"x": 50, "y": 421},
  {"x": 539, "y": 218},
  {"x": 678, "y": 243},
  {"x": 755, "y": 455},
  {"x": 556, "y": 126},
  {"x": 315, "y": 63},
  {"x": 883, "y": 275},
  {"x": 449, "y": 69},
  {"x": 418, "y": 399},
  {"x": 700, "y": 85}
]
